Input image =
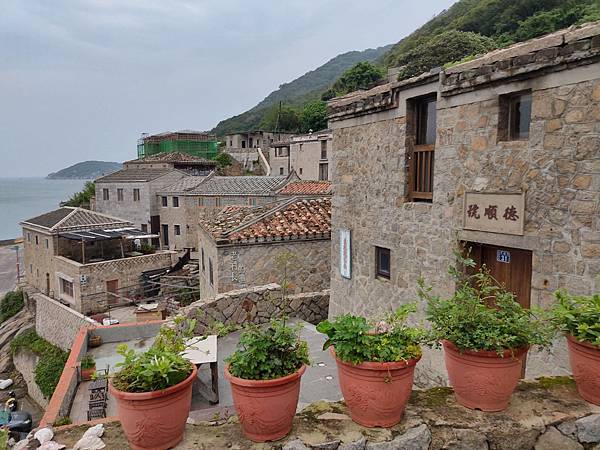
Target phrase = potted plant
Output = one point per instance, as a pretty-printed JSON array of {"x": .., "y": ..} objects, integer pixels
[
  {"x": 153, "y": 390},
  {"x": 579, "y": 318},
  {"x": 88, "y": 367},
  {"x": 376, "y": 361},
  {"x": 264, "y": 373},
  {"x": 486, "y": 334}
]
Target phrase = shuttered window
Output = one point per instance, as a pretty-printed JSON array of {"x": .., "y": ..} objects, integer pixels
[{"x": 422, "y": 152}]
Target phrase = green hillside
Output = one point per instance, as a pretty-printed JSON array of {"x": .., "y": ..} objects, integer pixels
[
  {"x": 296, "y": 93},
  {"x": 466, "y": 29}
]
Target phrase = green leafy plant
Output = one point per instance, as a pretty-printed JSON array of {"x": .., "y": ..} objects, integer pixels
[
  {"x": 11, "y": 304},
  {"x": 82, "y": 198},
  {"x": 578, "y": 315},
  {"x": 88, "y": 362},
  {"x": 146, "y": 248},
  {"x": 159, "y": 367},
  {"x": 62, "y": 421},
  {"x": 51, "y": 363},
  {"x": 483, "y": 315},
  {"x": 357, "y": 339},
  {"x": 268, "y": 353},
  {"x": 220, "y": 329}
]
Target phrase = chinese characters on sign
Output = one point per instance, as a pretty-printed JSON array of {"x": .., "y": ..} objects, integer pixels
[
  {"x": 238, "y": 271},
  {"x": 345, "y": 254},
  {"x": 496, "y": 213}
]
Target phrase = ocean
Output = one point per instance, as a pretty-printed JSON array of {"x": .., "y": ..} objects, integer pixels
[{"x": 23, "y": 198}]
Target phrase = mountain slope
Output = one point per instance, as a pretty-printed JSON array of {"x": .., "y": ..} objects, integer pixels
[
  {"x": 299, "y": 91},
  {"x": 86, "y": 170}
]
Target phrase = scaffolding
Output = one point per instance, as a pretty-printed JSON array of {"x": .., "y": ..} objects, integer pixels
[{"x": 203, "y": 145}]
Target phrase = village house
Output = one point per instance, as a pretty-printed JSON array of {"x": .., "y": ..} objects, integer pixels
[
  {"x": 251, "y": 148},
  {"x": 306, "y": 154},
  {"x": 182, "y": 203},
  {"x": 305, "y": 188},
  {"x": 500, "y": 155},
  {"x": 245, "y": 246},
  {"x": 82, "y": 257},
  {"x": 130, "y": 193}
]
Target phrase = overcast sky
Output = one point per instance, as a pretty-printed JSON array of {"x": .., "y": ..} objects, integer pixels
[{"x": 80, "y": 80}]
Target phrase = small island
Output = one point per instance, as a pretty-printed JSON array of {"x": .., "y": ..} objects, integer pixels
[{"x": 86, "y": 170}]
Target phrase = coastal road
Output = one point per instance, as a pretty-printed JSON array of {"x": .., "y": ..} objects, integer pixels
[{"x": 8, "y": 268}]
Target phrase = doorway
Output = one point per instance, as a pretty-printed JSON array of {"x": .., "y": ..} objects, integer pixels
[
  {"x": 165, "y": 235},
  {"x": 509, "y": 266},
  {"x": 47, "y": 284},
  {"x": 112, "y": 287}
]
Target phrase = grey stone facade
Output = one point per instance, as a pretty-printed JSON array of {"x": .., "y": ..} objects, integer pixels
[
  {"x": 307, "y": 154},
  {"x": 557, "y": 168}
]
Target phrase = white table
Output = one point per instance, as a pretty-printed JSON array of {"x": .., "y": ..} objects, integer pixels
[{"x": 204, "y": 351}]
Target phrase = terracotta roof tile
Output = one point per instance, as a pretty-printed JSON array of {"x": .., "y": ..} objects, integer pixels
[{"x": 306, "y": 187}]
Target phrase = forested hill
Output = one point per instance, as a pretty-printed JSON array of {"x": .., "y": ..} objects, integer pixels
[
  {"x": 296, "y": 93},
  {"x": 86, "y": 170},
  {"x": 468, "y": 28}
]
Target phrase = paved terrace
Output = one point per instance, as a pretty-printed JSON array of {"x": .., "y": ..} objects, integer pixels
[{"x": 318, "y": 383}]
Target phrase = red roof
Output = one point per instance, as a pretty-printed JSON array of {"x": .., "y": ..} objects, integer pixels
[{"x": 305, "y": 187}]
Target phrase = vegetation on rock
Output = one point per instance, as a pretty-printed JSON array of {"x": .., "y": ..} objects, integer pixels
[
  {"x": 579, "y": 316},
  {"x": 268, "y": 353},
  {"x": 362, "y": 76},
  {"x": 11, "y": 304},
  {"x": 82, "y": 199},
  {"x": 51, "y": 363},
  {"x": 483, "y": 315},
  {"x": 357, "y": 339}
]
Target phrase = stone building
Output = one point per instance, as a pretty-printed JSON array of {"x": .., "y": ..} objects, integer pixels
[
  {"x": 130, "y": 193},
  {"x": 500, "y": 154},
  {"x": 250, "y": 148},
  {"x": 307, "y": 154},
  {"x": 182, "y": 203},
  {"x": 81, "y": 257},
  {"x": 245, "y": 246}
]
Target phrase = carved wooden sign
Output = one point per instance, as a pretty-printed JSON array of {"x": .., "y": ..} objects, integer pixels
[{"x": 494, "y": 212}]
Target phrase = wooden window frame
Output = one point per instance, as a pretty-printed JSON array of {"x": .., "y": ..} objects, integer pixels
[
  {"x": 420, "y": 162},
  {"x": 508, "y": 125},
  {"x": 379, "y": 272}
]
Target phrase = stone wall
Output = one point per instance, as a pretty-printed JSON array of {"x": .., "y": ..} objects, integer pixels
[
  {"x": 25, "y": 362},
  {"x": 258, "y": 305},
  {"x": 542, "y": 416},
  {"x": 57, "y": 323}
]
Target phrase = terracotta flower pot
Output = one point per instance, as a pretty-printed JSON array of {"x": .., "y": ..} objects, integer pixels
[
  {"x": 155, "y": 420},
  {"x": 585, "y": 364},
  {"x": 266, "y": 408},
  {"x": 483, "y": 380},
  {"x": 376, "y": 393},
  {"x": 86, "y": 374}
]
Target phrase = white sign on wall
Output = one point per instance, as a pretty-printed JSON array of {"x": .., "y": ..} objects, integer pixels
[{"x": 345, "y": 253}]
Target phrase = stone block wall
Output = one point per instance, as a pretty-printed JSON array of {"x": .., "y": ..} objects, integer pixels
[
  {"x": 25, "y": 362},
  {"x": 258, "y": 305},
  {"x": 57, "y": 323}
]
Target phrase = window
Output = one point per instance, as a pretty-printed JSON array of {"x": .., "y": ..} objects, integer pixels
[
  {"x": 163, "y": 201},
  {"x": 323, "y": 149},
  {"x": 136, "y": 195},
  {"x": 28, "y": 236},
  {"x": 37, "y": 240},
  {"x": 382, "y": 262},
  {"x": 323, "y": 171},
  {"x": 252, "y": 201},
  {"x": 145, "y": 227},
  {"x": 300, "y": 170},
  {"x": 201, "y": 201},
  {"x": 217, "y": 201},
  {"x": 66, "y": 287},
  {"x": 230, "y": 143},
  {"x": 281, "y": 171},
  {"x": 47, "y": 244},
  {"x": 165, "y": 234},
  {"x": 175, "y": 202},
  {"x": 177, "y": 229},
  {"x": 203, "y": 266},
  {"x": 210, "y": 272},
  {"x": 243, "y": 144},
  {"x": 282, "y": 151},
  {"x": 421, "y": 148},
  {"x": 119, "y": 195},
  {"x": 514, "y": 117},
  {"x": 105, "y": 195},
  {"x": 30, "y": 268}
]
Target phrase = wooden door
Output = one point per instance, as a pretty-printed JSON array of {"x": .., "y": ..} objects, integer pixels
[
  {"x": 509, "y": 266},
  {"x": 112, "y": 286}
]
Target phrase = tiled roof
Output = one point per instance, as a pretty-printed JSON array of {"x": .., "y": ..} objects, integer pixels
[
  {"x": 244, "y": 185},
  {"x": 184, "y": 185},
  {"x": 296, "y": 218},
  {"x": 306, "y": 187},
  {"x": 173, "y": 157},
  {"x": 71, "y": 219},
  {"x": 131, "y": 175}
]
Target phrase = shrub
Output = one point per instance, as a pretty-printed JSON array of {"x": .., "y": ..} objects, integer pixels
[
  {"x": 51, "y": 363},
  {"x": 268, "y": 353},
  {"x": 88, "y": 362},
  {"x": 578, "y": 315},
  {"x": 11, "y": 304},
  {"x": 483, "y": 315},
  {"x": 62, "y": 421},
  {"x": 357, "y": 339},
  {"x": 160, "y": 367}
]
